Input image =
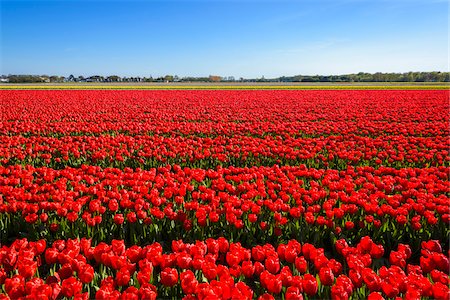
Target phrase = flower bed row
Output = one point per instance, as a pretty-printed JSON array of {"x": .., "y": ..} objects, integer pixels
[
  {"x": 258, "y": 113},
  {"x": 219, "y": 269},
  {"x": 337, "y": 152},
  {"x": 258, "y": 204}
]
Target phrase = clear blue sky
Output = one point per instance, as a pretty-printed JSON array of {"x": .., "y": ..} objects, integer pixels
[{"x": 229, "y": 38}]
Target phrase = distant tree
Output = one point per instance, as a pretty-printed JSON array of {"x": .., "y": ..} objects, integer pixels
[
  {"x": 262, "y": 79},
  {"x": 168, "y": 78},
  {"x": 56, "y": 78},
  {"x": 96, "y": 78},
  {"x": 24, "y": 79},
  {"x": 113, "y": 78}
]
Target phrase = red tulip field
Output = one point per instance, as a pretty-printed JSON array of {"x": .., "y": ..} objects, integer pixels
[{"x": 224, "y": 194}]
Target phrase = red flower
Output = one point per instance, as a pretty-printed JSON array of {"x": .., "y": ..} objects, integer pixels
[
  {"x": 118, "y": 247},
  {"x": 356, "y": 278},
  {"x": 375, "y": 296},
  {"x": 27, "y": 268},
  {"x": 441, "y": 261},
  {"x": 40, "y": 246},
  {"x": 263, "y": 225},
  {"x": 341, "y": 245},
  {"x": 376, "y": 251},
  {"x": 427, "y": 264},
  {"x": 223, "y": 244},
  {"x": 441, "y": 291},
  {"x": 106, "y": 292},
  {"x": 188, "y": 282},
  {"x": 259, "y": 268},
  {"x": 118, "y": 219},
  {"x": 365, "y": 244},
  {"x": 212, "y": 245},
  {"x": 397, "y": 258},
  {"x": 83, "y": 296},
  {"x": 131, "y": 293},
  {"x": 169, "y": 277},
  {"x": 134, "y": 253},
  {"x": 258, "y": 253},
  {"x": 293, "y": 293},
  {"x": 272, "y": 264},
  {"x": 389, "y": 289},
  {"x": 15, "y": 286},
  {"x": 131, "y": 217},
  {"x": 86, "y": 273},
  {"x": 71, "y": 287},
  {"x": 326, "y": 276},
  {"x": 54, "y": 227},
  {"x": 439, "y": 276},
  {"x": 65, "y": 271},
  {"x": 252, "y": 218},
  {"x": 432, "y": 245},
  {"x": 349, "y": 225},
  {"x": 290, "y": 254},
  {"x": 242, "y": 291},
  {"x": 266, "y": 297},
  {"x": 184, "y": 260},
  {"x": 209, "y": 270},
  {"x": 338, "y": 292},
  {"x": 43, "y": 217},
  {"x": 147, "y": 291},
  {"x": 412, "y": 294},
  {"x": 248, "y": 269},
  {"x": 308, "y": 251},
  {"x": 273, "y": 283},
  {"x": 371, "y": 279},
  {"x": 123, "y": 277},
  {"x": 233, "y": 259},
  {"x": 301, "y": 265},
  {"x": 309, "y": 284},
  {"x": 144, "y": 275}
]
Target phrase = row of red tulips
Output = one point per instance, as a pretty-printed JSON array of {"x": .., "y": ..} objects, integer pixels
[
  {"x": 152, "y": 151},
  {"x": 292, "y": 113},
  {"x": 265, "y": 203},
  {"x": 219, "y": 269}
]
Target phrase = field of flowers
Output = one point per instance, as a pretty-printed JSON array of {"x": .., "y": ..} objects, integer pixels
[{"x": 224, "y": 194}]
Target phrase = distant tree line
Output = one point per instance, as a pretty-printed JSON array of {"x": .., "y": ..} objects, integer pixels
[
  {"x": 373, "y": 77},
  {"x": 31, "y": 79},
  {"x": 359, "y": 77}
]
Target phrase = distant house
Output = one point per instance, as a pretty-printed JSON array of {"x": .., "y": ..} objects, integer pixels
[
  {"x": 4, "y": 79},
  {"x": 215, "y": 78},
  {"x": 45, "y": 79},
  {"x": 95, "y": 78}
]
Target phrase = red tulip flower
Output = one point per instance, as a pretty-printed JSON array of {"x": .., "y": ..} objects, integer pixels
[{"x": 169, "y": 277}]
